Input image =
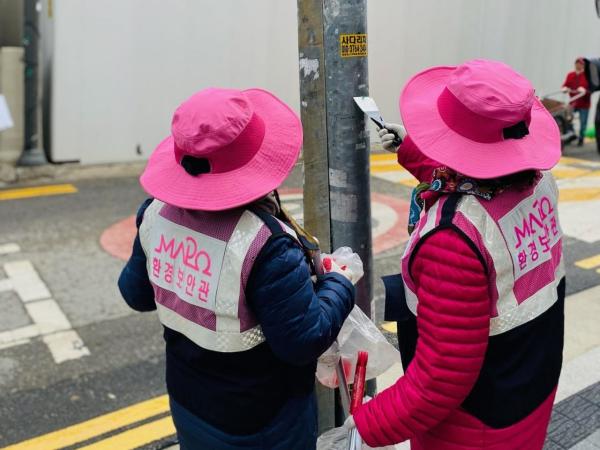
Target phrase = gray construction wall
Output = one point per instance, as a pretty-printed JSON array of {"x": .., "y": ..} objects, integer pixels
[{"x": 121, "y": 67}]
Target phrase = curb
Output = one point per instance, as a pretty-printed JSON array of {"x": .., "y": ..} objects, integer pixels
[{"x": 15, "y": 176}]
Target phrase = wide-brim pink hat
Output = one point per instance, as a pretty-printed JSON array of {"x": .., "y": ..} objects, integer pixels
[
  {"x": 227, "y": 148},
  {"x": 481, "y": 119}
]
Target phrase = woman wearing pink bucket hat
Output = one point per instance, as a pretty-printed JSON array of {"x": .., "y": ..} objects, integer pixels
[
  {"x": 479, "y": 302},
  {"x": 230, "y": 276}
]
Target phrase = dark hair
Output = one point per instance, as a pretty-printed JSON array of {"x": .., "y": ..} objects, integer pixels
[{"x": 522, "y": 180}]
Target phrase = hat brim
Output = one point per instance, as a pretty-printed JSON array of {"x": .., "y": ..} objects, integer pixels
[
  {"x": 165, "y": 179},
  {"x": 539, "y": 150}
]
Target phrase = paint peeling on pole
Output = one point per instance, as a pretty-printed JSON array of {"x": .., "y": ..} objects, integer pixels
[{"x": 309, "y": 67}]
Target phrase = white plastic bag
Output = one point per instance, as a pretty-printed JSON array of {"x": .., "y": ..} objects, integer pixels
[
  {"x": 337, "y": 439},
  {"x": 344, "y": 256},
  {"x": 358, "y": 333}
]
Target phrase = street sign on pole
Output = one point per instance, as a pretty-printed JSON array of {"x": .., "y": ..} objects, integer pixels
[{"x": 333, "y": 51}]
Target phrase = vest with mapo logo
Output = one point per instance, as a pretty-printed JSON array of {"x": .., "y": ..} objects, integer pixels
[
  {"x": 518, "y": 239},
  {"x": 198, "y": 264}
]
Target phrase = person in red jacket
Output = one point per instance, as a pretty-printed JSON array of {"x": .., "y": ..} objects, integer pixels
[
  {"x": 576, "y": 84},
  {"x": 480, "y": 314}
]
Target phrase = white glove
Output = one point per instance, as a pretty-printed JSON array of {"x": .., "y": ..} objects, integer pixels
[
  {"x": 581, "y": 89},
  {"x": 387, "y": 138},
  {"x": 565, "y": 89}
]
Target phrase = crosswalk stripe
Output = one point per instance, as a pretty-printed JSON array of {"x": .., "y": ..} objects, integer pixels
[
  {"x": 570, "y": 172},
  {"x": 578, "y": 161},
  {"x": 95, "y": 427}
]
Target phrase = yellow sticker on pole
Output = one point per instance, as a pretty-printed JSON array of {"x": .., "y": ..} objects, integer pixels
[{"x": 353, "y": 45}]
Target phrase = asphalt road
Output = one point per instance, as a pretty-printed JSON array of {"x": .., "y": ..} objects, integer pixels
[{"x": 59, "y": 235}]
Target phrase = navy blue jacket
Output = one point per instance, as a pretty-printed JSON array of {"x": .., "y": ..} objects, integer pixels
[{"x": 241, "y": 393}]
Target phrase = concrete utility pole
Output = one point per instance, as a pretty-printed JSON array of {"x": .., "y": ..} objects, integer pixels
[
  {"x": 32, "y": 154},
  {"x": 332, "y": 39}
]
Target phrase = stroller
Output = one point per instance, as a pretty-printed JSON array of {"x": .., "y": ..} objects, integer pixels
[{"x": 560, "y": 106}]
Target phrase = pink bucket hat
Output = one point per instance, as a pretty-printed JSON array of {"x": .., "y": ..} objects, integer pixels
[
  {"x": 227, "y": 148},
  {"x": 481, "y": 119}
]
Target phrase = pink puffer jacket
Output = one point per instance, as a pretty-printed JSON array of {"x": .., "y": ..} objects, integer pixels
[{"x": 453, "y": 326}]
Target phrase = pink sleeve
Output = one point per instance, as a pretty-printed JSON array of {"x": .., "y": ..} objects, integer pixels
[
  {"x": 413, "y": 160},
  {"x": 453, "y": 322}
]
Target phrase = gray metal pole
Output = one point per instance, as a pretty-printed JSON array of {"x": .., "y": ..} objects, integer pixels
[
  {"x": 32, "y": 154},
  {"x": 332, "y": 38}
]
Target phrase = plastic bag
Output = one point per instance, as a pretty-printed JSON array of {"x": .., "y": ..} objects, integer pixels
[
  {"x": 337, "y": 439},
  {"x": 344, "y": 256},
  {"x": 358, "y": 333}
]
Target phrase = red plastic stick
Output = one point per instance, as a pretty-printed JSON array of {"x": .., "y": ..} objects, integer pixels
[{"x": 358, "y": 390}]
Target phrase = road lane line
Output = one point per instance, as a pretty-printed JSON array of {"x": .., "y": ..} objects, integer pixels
[
  {"x": 6, "y": 249},
  {"x": 38, "y": 191},
  {"x": 95, "y": 427},
  {"x": 386, "y": 167},
  {"x": 390, "y": 327},
  {"x": 384, "y": 157},
  {"x": 136, "y": 437},
  {"x": 578, "y": 161},
  {"x": 589, "y": 263},
  {"x": 578, "y": 194},
  {"x": 568, "y": 172}
]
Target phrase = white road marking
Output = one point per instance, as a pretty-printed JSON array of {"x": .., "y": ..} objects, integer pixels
[
  {"x": 6, "y": 249},
  {"x": 385, "y": 217},
  {"x": 65, "y": 345},
  {"x": 26, "y": 281},
  {"x": 6, "y": 285},
  {"x": 571, "y": 222},
  {"x": 18, "y": 334},
  {"x": 47, "y": 315},
  {"x": 48, "y": 319}
]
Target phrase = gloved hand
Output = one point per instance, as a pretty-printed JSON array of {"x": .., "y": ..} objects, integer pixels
[
  {"x": 330, "y": 265},
  {"x": 565, "y": 89},
  {"x": 387, "y": 138},
  {"x": 581, "y": 89},
  {"x": 347, "y": 263}
]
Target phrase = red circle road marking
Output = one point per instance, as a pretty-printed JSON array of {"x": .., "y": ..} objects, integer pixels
[{"x": 117, "y": 239}]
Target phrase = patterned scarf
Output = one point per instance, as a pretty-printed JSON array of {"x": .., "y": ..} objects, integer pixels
[{"x": 446, "y": 181}]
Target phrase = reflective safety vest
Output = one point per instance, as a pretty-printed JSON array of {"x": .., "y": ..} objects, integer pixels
[
  {"x": 518, "y": 238},
  {"x": 199, "y": 263}
]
